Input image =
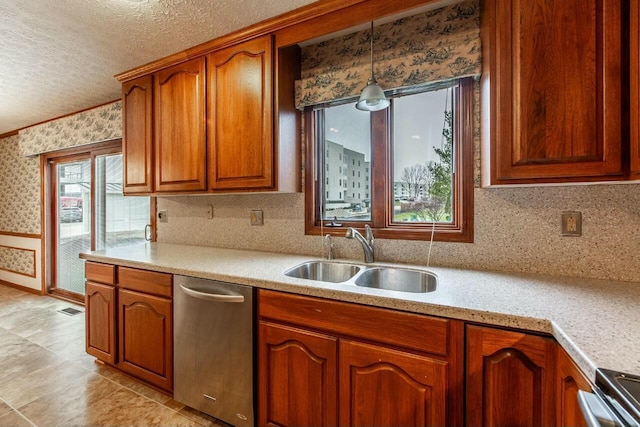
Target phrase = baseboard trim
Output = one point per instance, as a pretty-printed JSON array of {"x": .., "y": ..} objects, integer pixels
[{"x": 22, "y": 288}]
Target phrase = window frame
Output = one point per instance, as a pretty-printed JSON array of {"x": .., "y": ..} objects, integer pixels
[{"x": 461, "y": 227}]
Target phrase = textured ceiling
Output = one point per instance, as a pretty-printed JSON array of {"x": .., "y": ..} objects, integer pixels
[{"x": 60, "y": 56}]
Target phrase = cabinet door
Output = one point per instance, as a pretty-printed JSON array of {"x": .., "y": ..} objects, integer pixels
[
  {"x": 180, "y": 136},
  {"x": 241, "y": 116},
  {"x": 569, "y": 380},
  {"x": 100, "y": 318},
  {"x": 385, "y": 387},
  {"x": 554, "y": 72},
  {"x": 510, "y": 378},
  {"x": 145, "y": 337},
  {"x": 137, "y": 136},
  {"x": 297, "y": 377},
  {"x": 634, "y": 44}
]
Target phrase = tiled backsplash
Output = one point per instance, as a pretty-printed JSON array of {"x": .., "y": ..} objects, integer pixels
[{"x": 516, "y": 230}]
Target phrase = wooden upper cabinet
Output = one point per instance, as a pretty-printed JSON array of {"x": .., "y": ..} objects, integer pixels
[
  {"x": 385, "y": 387},
  {"x": 634, "y": 48},
  {"x": 510, "y": 378},
  {"x": 553, "y": 90},
  {"x": 180, "y": 134},
  {"x": 569, "y": 379},
  {"x": 240, "y": 132},
  {"x": 137, "y": 135}
]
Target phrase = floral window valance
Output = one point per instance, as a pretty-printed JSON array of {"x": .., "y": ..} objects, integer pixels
[{"x": 433, "y": 46}]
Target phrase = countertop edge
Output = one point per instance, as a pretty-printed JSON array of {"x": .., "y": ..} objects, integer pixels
[{"x": 474, "y": 315}]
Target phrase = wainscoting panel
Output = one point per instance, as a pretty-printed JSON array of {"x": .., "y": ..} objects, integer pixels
[{"x": 21, "y": 261}]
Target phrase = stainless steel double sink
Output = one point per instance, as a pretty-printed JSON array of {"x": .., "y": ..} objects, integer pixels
[{"x": 389, "y": 278}]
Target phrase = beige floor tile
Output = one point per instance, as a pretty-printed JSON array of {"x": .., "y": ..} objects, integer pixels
[
  {"x": 4, "y": 408},
  {"x": 32, "y": 359},
  {"x": 132, "y": 384},
  {"x": 14, "y": 419},
  {"x": 126, "y": 408},
  {"x": 46, "y": 374},
  {"x": 57, "y": 407},
  {"x": 173, "y": 404},
  {"x": 200, "y": 417},
  {"x": 50, "y": 379}
]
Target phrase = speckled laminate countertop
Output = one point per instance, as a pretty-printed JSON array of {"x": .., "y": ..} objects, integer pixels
[{"x": 596, "y": 321}]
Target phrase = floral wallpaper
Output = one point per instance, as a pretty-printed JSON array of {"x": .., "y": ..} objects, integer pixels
[
  {"x": 19, "y": 189},
  {"x": 99, "y": 124},
  {"x": 433, "y": 46},
  {"x": 16, "y": 260}
]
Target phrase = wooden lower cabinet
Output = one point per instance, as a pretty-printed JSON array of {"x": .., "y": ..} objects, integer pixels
[
  {"x": 386, "y": 387},
  {"x": 297, "y": 377},
  {"x": 129, "y": 321},
  {"x": 145, "y": 334},
  {"x": 100, "y": 318},
  {"x": 327, "y": 363},
  {"x": 510, "y": 378},
  {"x": 569, "y": 379}
]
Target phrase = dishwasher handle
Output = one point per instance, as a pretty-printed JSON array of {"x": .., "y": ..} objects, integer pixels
[
  {"x": 596, "y": 414},
  {"x": 212, "y": 297}
]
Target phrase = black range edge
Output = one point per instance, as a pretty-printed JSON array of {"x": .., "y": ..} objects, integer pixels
[{"x": 621, "y": 389}]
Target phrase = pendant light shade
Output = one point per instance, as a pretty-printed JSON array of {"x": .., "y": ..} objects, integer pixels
[{"x": 372, "y": 97}]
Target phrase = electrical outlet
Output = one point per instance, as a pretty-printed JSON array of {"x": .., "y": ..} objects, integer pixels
[
  {"x": 163, "y": 216},
  {"x": 257, "y": 218},
  {"x": 571, "y": 224}
]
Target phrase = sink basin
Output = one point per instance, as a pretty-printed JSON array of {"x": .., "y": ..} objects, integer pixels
[
  {"x": 325, "y": 271},
  {"x": 398, "y": 279}
]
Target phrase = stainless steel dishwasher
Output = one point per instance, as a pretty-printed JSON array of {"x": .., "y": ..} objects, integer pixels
[{"x": 213, "y": 348}]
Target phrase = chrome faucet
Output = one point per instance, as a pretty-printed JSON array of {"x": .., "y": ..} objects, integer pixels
[
  {"x": 331, "y": 254},
  {"x": 367, "y": 244}
]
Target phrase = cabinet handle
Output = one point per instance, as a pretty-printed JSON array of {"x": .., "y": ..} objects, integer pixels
[{"x": 212, "y": 297}]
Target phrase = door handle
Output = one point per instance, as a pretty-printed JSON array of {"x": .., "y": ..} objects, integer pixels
[
  {"x": 147, "y": 232},
  {"x": 212, "y": 297}
]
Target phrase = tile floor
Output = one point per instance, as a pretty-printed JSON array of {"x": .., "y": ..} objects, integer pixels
[{"x": 47, "y": 379}]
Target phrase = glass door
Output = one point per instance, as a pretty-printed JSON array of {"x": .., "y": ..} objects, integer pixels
[
  {"x": 72, "y": 230},
  {"x": 120, "y": 221},
  {"x": 90, "y": 212}
]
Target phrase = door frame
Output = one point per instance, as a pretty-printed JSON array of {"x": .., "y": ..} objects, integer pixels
[{"x": 49, "y": 161}]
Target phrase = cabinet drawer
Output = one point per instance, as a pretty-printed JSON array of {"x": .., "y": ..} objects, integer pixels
[
  {"x": 150, "y": 282},
  {"x": 101, "y": 273},
  {"x": 408, "y": 330}
]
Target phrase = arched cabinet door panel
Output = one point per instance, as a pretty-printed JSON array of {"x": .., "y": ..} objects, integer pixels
[
  {"x": 100, "y": 308},
  {"x": 510, "y": 378},
  {"x": 240, "y": 110},
  {"x": 180, "y": 127},
  {"x": 145, "y": 337},
  {"x": 297, "y": 377},
  {"x": 569, "y": 379},
  {"x": 137, "y": 135},
  {"x": 385, "y": 387}
]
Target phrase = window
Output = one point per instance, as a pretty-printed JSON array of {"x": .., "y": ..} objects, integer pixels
[{"x": 423, "y": 147}]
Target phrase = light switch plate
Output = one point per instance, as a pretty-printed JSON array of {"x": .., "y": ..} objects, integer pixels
[{"x": 257, "y": 218}]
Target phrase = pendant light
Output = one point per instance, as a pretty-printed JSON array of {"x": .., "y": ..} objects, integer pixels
[{"x": 372, "y": 97}]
